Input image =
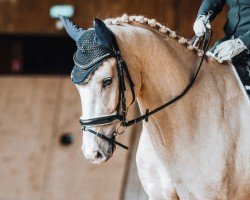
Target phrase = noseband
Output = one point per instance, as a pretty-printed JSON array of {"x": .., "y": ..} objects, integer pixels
[{"x": 122, "y": 70}]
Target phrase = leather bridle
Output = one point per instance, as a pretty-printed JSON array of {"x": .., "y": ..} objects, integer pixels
[{"x": 121, "y": 108}]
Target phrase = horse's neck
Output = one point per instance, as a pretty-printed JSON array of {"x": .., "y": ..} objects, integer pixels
[
  {"x": 168, "y": 69},
  {"x": 165, "y": 68}
]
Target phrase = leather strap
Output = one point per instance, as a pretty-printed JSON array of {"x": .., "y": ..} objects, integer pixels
[
  {"x": 100, "y": 120},
  {"x": 205, "y": 45},
  {"x": 110, "y": 140}
]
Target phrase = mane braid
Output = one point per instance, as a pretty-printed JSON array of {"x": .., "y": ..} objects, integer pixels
[{"x": 156, "y": 25}]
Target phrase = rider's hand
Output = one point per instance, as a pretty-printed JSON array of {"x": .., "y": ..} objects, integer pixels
[
  {"x": 211, "y": 54},
  {"x": 200, "y": 26},
  {"x": 228, "y": 49}
]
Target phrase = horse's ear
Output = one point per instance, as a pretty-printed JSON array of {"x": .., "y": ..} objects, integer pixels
[
  {"x": 73, "y": 30},
  {"x": 103, "y": 34}
]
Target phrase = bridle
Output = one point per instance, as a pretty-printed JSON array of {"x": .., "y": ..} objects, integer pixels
[
  {"x": 119, "y": 116},
  {"x": 121, "y": 112}
]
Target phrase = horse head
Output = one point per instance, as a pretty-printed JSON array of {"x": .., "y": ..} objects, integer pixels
[{"x": 95, "y": 76}]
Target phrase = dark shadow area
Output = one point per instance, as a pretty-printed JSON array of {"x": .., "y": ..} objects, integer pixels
[{"x": 21, "y": 54}]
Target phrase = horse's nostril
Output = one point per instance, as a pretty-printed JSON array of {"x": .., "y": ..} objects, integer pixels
[{"x": 99, "y": 155}]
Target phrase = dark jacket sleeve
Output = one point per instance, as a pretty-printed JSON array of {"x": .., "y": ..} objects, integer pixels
[
  {"x": 246, "y": 39},
  {"x": 214, "y": 5}
]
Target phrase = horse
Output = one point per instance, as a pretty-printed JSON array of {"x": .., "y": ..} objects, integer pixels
[{"x": 198, "y": 148}]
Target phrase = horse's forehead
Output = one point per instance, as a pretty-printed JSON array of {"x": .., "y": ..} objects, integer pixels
[{"x": 105, "y": 68}]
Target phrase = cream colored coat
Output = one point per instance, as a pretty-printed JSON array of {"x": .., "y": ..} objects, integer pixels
[{"x": 199, "y": 147}]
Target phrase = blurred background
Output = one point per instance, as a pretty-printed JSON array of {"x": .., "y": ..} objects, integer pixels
[{"x": 40, "y": 137}]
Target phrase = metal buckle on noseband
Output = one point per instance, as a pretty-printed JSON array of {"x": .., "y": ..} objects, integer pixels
[{"x": 118, "y": 128}]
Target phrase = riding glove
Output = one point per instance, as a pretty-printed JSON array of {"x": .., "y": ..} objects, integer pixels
[
  {"x": 228, "y": 49},
  {"x": 200, "y": 26}
]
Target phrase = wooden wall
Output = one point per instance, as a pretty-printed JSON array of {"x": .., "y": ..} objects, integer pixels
[
  {"x": 35, "y": 112},
  {"x": 32, "y": 16}
]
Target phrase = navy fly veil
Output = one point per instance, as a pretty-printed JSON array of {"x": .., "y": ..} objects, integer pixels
[
  {"x": 93, "y": 47},
  {"x": 88, "y": 57}
]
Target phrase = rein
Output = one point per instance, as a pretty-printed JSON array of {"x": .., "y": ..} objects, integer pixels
[
  {"x": 122, "y": 69},
  {"x": 205, "y": 44}
]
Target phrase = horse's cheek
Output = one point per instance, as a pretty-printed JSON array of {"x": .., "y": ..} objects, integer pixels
[{"x": 109, "y": 99}]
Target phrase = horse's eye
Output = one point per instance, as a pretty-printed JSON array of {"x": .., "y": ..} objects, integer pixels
[{"x": 106, "y": 82}]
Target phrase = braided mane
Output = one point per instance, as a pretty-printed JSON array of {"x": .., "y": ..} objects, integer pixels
[{"x": 157, "y": 26}]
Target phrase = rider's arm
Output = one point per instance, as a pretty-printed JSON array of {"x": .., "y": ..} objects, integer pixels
[
  {"x": 246, "y": 39},
  {"x": 214, "y": 5}
]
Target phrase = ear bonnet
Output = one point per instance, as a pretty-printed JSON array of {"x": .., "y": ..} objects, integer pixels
[{"x": 93, "y": 47}]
